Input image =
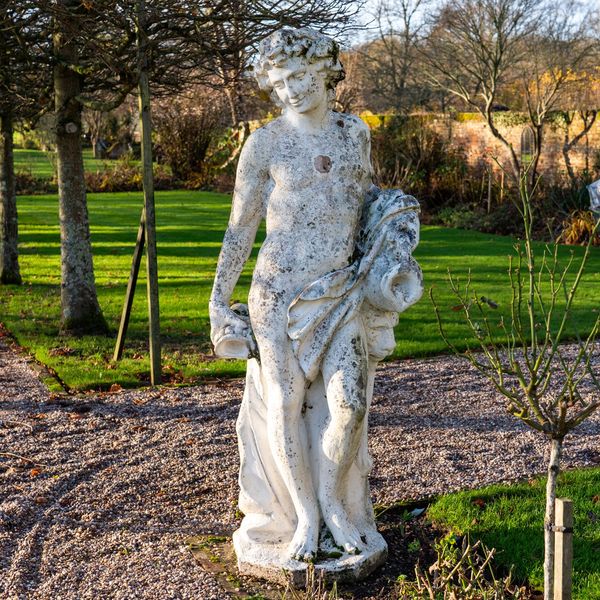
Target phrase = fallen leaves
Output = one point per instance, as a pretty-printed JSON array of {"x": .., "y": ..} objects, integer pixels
[
  {"x": 62, "y": 351},
  {"x": 479, "y": 502},
  {"x": 37, "y": 416}
]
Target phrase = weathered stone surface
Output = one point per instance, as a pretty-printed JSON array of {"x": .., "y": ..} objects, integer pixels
[{"x": 331, "y": 277}]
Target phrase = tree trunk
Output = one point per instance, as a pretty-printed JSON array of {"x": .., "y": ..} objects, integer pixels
[
  {"x": 95, "y": 151},
  {"x": 488, "y": 114},
  {"x": 532, "y": 175},
  {"x": 231, "y": 100},
  {"x": 80, "y": 311},
  {"x": 567, "y": 158},
  {"x": 588, "y": 118},
  {"x": 553, "y": 470},
  {"x": 9, "y": 254}
]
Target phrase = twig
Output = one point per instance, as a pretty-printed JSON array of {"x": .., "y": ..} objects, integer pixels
[
  {"x": 29, "y": 460},
  {"x": 2, "y": 421}
]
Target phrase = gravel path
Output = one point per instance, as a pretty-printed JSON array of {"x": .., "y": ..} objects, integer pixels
[{"x": 114, "y": 483}]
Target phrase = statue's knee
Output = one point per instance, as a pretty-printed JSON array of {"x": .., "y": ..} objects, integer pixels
[{"x": 352, "y": 408}]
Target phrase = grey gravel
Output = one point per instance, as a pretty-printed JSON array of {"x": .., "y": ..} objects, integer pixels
[{"x": 105, "y": 488}]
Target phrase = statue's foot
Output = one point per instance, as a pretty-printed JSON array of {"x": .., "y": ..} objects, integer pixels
[
  {"x": 345, "y": 534},
  {"x": 305, "y": 542}
]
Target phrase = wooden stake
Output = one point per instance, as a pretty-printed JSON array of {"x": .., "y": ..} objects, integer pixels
[
  {"x": 129, "y": 294},
  {"x": 563, "y": 549},
  {"x": 147, "y": 229}
]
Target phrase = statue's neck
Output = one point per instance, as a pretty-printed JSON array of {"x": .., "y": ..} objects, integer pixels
[{"x": 312, "y": 121}]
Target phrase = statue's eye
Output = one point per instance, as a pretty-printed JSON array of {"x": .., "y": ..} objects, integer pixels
[{"x": 278, "y": 85}]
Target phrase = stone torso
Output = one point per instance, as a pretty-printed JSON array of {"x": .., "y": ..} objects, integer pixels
[{"x": 317, "y": 187}]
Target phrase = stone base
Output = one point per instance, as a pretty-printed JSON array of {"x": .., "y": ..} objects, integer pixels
[{"x": 268, "y": 561}]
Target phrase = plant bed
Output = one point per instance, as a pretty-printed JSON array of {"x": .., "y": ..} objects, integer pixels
[{"x": 510, "y": 519}]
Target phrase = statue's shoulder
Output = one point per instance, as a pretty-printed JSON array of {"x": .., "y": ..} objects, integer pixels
[
  {"x": 353, "y": 122},
  {"x": 262, "y": 139},
  {"x": 270, "y": 129}
]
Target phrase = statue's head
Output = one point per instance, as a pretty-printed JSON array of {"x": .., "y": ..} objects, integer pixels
[{"x": 297, "y": 62}]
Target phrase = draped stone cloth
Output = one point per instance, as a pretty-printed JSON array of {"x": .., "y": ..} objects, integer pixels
[{"x": 382, "y": 281}]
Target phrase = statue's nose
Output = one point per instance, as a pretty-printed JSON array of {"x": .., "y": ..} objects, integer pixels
[{"x": 293, "y": 90}]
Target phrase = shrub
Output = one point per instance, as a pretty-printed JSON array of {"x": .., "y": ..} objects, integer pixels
[
  {"x": 126, "y": 176},
  {"x": 184, "y": 136},
  {"x": 409, "y": 154},
  {"x": 26, "y": 183},
  {"x": 402, "y": 153},
  {"x": 462, "y": 570},
  {"x": 578, "y": 228},
  {"x": 502, "y": 220},
  {"x": 459, "y": 217}
]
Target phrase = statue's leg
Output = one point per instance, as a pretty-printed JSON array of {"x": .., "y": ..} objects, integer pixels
[
  {"x": 345, "y": 375},
  {"x": 285, "y": 387}
]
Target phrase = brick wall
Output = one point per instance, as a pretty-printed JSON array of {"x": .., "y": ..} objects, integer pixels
[
  {"x": 475, "y": 138},
  {"x": 469, "y": 132}
]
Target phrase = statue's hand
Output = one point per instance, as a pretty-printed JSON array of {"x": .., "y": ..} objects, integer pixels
[{"x": 230, "y": 331}]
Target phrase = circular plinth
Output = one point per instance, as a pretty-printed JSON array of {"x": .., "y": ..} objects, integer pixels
[{"x": 270, "y": 562}]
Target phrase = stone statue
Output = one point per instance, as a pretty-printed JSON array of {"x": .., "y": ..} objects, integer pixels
[{"x": 331, "y": 277}]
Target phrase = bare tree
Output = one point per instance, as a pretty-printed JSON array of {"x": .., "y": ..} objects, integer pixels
[
  {"x": 471, "y": 49},
  {"x": 394, "y": 57},
  {"x": 23, "y": 94},
  {"x": 95, "y": 123},
  {"x": 97, "y": 65},
  {"x": 543, "y": 383},
  {"x": 587, "y": 119},
  {"x": 349, "y": 93},
  {"x": 553, "y": 67},
  {"x": 477, "y": 48},
  {"x": 580, "y": 105}
]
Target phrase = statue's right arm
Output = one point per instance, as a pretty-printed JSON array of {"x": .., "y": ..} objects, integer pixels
[{"x": 247, "y": 210}]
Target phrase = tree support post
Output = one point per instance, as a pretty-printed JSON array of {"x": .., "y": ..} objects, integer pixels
[
  {"x": 148, "y": 179},
  {"x": 147, "y": 229},
  {"x": 135, "y": 269},
  {"x": 563, "y": 549}
]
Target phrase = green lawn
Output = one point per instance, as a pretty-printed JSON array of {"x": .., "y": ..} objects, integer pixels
[
  {"x": 42, "y": 165},
  {"x": 190, "y": 229},
  {"x": 510, "y": 519}
]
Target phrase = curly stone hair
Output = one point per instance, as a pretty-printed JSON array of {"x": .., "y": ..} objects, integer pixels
[{"x": 288, "y": 43}]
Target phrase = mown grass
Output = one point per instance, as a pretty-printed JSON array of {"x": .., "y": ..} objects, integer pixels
[
  {"x": 42, "y": 165},
  {"x": 510, "y": 518},
  {"x": 190, "y": 230}
]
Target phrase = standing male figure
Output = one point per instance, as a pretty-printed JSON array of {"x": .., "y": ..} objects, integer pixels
[{"x": 307, "y": 173}]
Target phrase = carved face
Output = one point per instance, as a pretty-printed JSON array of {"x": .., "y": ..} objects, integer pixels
[{"x": 299, "y": 85}]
